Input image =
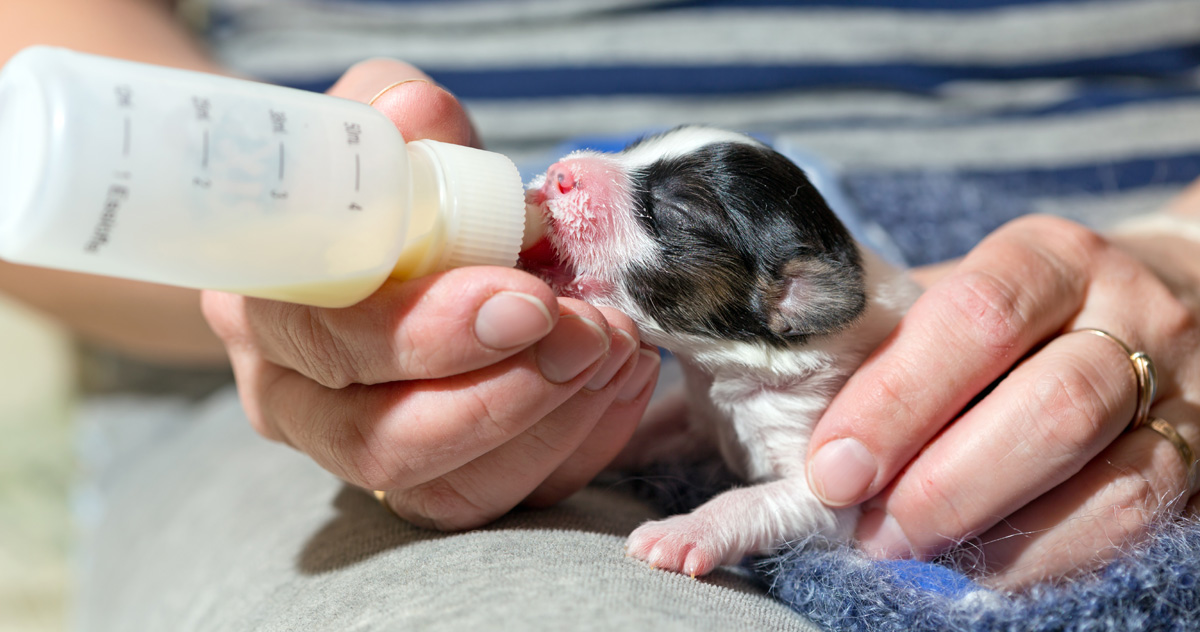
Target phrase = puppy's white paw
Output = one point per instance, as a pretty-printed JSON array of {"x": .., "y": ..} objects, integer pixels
[{"x": 685, "y": 544}]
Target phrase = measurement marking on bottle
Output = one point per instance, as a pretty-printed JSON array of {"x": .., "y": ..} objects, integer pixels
[
  {"x": 357, "y": 172},
  {"x": 204, "y": 152},
  {"x": 281, "y": 161},
  {"x": 128, "y": 137},
  {"x": 124, "y": 96}
]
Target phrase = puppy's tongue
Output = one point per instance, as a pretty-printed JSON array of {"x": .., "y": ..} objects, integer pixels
[
  {"x": 543, "y": 261},
  {"x": 539, "y": 255}
]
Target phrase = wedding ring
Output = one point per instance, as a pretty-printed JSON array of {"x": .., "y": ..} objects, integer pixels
[
  {"x": 389, "y": 88},
  {"x": 1143, "y": 370},
  {"x": 1169, "y": 433},
  {"x": 382, "y": 498}
]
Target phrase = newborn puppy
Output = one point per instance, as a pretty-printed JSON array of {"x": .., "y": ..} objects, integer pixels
[{"x": 725, "y": 254}]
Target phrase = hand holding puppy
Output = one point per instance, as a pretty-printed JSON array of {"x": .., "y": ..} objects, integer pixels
[{"x": 984, "y": 417}]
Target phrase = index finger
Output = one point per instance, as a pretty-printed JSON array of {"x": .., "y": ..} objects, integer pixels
[
  {"x": 437, "y": 326},
  {"x": 1013, "y": 291}
]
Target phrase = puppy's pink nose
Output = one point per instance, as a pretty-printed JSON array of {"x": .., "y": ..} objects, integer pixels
[{"x": 560, "y": 177}]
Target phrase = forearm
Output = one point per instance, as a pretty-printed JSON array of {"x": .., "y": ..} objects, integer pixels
[
  {"x": 154, "y": 322},
  {"x": 140, "y": 30}
]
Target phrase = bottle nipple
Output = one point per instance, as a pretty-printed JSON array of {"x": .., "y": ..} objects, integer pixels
[{"x": 535, "y": 226}]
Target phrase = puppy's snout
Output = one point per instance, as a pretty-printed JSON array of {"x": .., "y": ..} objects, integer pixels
[{"x": 559, "y": 178}]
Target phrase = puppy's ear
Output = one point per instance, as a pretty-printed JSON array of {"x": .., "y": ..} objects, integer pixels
[{"x": 813, "y": 297}]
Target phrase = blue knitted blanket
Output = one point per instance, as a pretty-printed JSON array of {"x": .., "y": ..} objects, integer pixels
[{"x": 1153, "y": 586}]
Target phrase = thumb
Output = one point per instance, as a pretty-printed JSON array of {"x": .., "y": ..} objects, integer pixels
[{"x": 418, "y": 107}]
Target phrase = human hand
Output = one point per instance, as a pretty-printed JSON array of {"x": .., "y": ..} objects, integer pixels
[
  {"x": 1039, "y": 469},
  {"x": 460, "y": 394}
]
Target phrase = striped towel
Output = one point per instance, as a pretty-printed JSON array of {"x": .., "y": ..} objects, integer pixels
[{"x": 942, "y": 118}]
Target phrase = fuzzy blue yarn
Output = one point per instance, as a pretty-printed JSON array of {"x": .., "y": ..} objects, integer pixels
[
  {"x": 1156, "y": 586},
  {"x": 1153, "y": 587}
]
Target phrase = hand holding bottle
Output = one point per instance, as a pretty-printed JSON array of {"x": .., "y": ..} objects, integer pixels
[{"x": 460, "y": 394}]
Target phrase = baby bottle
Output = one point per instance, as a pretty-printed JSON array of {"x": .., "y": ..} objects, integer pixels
[{"x": 130, "y": 170}]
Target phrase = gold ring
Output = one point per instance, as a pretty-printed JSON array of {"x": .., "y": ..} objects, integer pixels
[
  {"x": 1145, "y": 373},
  {"x": 382, "y": 498},
  {"x": 388, "y": 89},
  {"x": 1169, "y": 433}
]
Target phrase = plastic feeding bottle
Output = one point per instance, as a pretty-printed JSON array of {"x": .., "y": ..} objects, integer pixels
[{"x": 184, "y": 178}]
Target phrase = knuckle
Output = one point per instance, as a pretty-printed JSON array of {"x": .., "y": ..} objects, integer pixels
[
  {"x": 1079, "y": 240},
  {"x": 1175, "y": 321},
  {"x": 364, "y": 468},
  {"x": 259, "y": 423},
  {"x": 1083, "y": 242},
  {"x": 371, "y": 463},
  {"x": 1145, "y": 497},
  {"x": 1136, "y": 500},
  {"x": 442, "y": 506},
  {"x": 891, "y": 392},
  {"x": 991, "y": 310},
  {"x": 1159, "y": 478},
  {"x": 222, "y": 312},
  {"x": 1055, "y": 251},
  {"x": 258, "y": 391},
  {"x": 1068, "y": 411},
  {"x": 418, "y": 360},
  {"x": 547, "y": 439},
  {"x": 934, "y": 503},
  {"x": 324, "y": 357},
  {"x": 490, "y": 422},
  {"x": 360, "y": 457},
  {"x": 619, "y": 320}
]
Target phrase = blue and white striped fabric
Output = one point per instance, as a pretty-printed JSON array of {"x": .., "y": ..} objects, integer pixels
[{"x": 944, "y": 118}]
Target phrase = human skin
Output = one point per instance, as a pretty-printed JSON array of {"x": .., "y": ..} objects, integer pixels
[
  {"x": 1041, "y": 472},
  {"x": 448, "y": 391},
  {"x": 345, "y": 386},
  {"x": 461, "y": 394},
  {"x": 157, "y": 323}
]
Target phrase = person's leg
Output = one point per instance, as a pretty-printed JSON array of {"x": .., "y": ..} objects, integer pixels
[{"x": 209, "y": 527}]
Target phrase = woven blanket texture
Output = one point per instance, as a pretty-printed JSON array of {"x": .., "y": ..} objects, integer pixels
[{"x": 1153, "y": 587}]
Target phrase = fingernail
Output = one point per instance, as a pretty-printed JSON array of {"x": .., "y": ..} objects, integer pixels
[
  {"x": 511, "y": 319},
  {"x": 622, "y": 347},
  {"x": 841, "y": 471},
  {"x": 647, "y": 367},
  {"x": 574, "y": 345},
  {"x": 881, "y": 537}
]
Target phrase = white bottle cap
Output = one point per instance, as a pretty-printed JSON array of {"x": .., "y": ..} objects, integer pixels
[{"x": 483, "y": 204}]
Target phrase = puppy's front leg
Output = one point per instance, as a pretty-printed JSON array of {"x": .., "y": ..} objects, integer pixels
[{"x": 735, "y": 523}]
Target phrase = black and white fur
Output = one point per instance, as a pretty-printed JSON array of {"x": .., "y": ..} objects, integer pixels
[{"x": 724, "y": 253}]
